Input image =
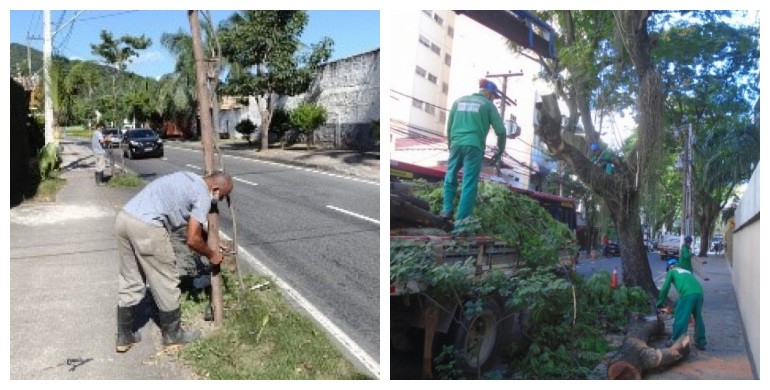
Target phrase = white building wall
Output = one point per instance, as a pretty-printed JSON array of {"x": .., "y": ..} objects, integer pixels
[{"x": 746, "y": 263}]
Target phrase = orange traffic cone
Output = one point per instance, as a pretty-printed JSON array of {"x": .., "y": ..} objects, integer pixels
[{"x": 614, "y": 280}]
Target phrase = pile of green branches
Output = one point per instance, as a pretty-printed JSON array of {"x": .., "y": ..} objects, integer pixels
[
  {"x": 512, "y": 217},
  {"x": 569, "y": 316}
]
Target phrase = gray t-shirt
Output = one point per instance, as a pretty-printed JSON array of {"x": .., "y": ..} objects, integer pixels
[
  {"x": 96, "y": 142},
  {"x": 171, "y": 200}
]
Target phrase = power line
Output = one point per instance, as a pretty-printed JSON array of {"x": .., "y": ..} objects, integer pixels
[{"x": 107, "y": 16}]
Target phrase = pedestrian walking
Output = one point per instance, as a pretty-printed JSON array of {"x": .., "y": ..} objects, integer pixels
[
  {"x": 98, "y": 143},
  {"x": 143, "y": 228},
  {"x": 690, "y": 303},
  {"x": 467, "y": 127}
]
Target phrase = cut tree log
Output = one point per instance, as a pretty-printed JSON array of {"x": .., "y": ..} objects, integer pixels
[
  {"x": 636, "y": 356},
  {"x": 403, "y": 213}
]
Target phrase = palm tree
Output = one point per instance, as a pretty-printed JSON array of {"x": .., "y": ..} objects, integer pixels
[{"x": 183, "y": 81}]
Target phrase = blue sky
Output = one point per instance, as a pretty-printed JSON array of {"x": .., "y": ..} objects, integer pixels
[{"x": 353, "y": 32}]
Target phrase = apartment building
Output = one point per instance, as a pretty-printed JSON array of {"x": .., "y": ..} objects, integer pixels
[{"x": 439, "y": 56}]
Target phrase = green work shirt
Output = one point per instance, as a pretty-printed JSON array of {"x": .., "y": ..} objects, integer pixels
[
  {"x": 684, "y": 282},
  {"x": 685, "y": 258},
  {"x": 469, "y": 121}
]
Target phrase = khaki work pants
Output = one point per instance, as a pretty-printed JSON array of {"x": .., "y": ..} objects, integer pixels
[
  {"x": 101, "y": 162},
  {"x": 146, "y": 256}
]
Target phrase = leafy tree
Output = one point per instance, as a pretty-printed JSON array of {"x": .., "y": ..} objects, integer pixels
[
  {"x": 80, "y": 83},
  {"x": 180, "y": 94},
  {"x": 308, "y": 117},
  {"x": 610, "y": 61},
  {"x": 280, "y": 123},
  {"x": 118, "y": 53},
  {"x": 596, "y": 46},
  {"x": 712, "y": 83},
  {"x": 178, "y": 100},
  {"x": 266, "y": 57},
  {"x": 245, "y": 127}
]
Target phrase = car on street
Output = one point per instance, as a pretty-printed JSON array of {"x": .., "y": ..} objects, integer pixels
[
  {"x": 115, "y": 137},
  {"x": 669, "y": 246},
  {"x": 612, "y": 249},
  {"x": 140, "y": 143}
]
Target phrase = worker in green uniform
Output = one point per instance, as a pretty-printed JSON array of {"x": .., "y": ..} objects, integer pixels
[
  {"x": 685, "y": 255},
  {"x": 603, "y": 158},
  {"x": 690, "y": 303},
  {"x": 467, "y": 128}
]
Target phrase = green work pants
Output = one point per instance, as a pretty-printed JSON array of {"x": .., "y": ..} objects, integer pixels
[
  {"x": 470, "y": 159},
  {"x": 690, "y": 305}
]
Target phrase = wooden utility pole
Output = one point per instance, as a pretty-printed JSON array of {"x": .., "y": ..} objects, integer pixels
[
  {"x": 505, "y": 99},
  {"x": 207, "y": 139}
]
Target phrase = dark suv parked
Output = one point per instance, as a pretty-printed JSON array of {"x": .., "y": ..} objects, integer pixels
[{"x": 141, "y": 142}]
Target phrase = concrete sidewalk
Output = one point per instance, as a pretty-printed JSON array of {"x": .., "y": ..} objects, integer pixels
[
  {"x": 64, "y": 280},
  {"x": 726, "y": 355}
]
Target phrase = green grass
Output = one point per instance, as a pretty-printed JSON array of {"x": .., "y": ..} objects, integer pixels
[
  {"x": 263, "y": 338},
  {"x": 126, "y": 179},
  {"x": 48, "y": 188}
]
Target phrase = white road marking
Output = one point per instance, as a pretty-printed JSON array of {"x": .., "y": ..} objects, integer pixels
[
  {"x": 244, "y": 181},
  {"x": 353, "y": 214},
  {"x": 193, "y": 166},
  {"x": 351, "y": 178},
  {"x": 322, "y": 320}
]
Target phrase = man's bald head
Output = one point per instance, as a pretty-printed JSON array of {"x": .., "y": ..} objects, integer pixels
[{"x": 220, "y": 184}]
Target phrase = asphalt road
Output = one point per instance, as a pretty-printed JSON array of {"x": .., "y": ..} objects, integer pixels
[
  {"x": 588, "y": 267},
  {"x": 319, "y": 233}
]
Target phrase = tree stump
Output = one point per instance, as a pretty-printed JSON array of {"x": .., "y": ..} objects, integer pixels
[{"x": 636, "y": 356}]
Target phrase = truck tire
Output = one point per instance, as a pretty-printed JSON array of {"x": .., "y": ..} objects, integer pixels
[{"x": 476, "y": 339}]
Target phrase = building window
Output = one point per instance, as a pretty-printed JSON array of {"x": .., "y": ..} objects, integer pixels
[
  {"x": 434, "y": 48},
  {"x": 417, "y": 103},
  {"x": 438, "y": 19},
  {"x": 433, "y": 79},
  {"x": 424, "y": 41},
  {"x": 450, "y": 31},
  {"x": 420, "y": 71},
  {"x": 430, "y": 109},
  {"x": 448, "y": 59},
  {"x": 442, "y": 116},
  {"x": 445, "y": 88}
]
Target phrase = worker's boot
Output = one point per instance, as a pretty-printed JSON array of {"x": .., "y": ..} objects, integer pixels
[
  {"x": 171, "y": 328},
  {"x": 126, "y": 335}
]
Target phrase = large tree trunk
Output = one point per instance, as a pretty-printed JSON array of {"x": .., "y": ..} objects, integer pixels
[
  {"x": 636, "y": 356},
  {"x": 618, "y": 191},
  {"x": 706, "y": 215},
  {"x": 267, "y": 117}
]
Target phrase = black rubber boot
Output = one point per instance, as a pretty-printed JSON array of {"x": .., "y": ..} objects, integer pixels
[
  {"x": 126, "y": 335},
  {"x": 171, "y": 328}
]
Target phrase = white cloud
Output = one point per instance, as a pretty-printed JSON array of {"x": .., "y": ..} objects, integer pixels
[{"x": 148, "y": 57}]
